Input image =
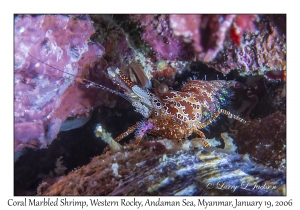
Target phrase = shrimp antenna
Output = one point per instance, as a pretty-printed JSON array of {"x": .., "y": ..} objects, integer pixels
[{"x": 85, "y": 81}]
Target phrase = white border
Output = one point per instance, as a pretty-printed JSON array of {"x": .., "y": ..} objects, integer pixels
[{"x": 8, "y": 8}]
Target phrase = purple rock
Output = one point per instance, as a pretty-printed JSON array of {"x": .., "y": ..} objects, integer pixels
[{"x": 49, "y": 51}]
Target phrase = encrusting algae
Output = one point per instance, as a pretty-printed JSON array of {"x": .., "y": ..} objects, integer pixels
[{"x": 164, "y": 168}]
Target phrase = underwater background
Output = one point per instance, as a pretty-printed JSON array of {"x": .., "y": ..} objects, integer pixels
[{"x": 62, "y": 119}]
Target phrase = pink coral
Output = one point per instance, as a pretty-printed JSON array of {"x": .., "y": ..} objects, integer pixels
[
  {"x": 158, "y": 34},
  {"x": 262, "y": 51},
  {"x": 171, "y": 36},
  {"x": 207, "y": 32},
  {"x": 246, "y": 42},
  {"x": 242, "y": 23},
  {"x": 44, "y": 96}
]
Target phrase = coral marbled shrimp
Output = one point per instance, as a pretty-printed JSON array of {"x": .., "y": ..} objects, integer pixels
[
  {"x": 174, "y": 114},
  {"x": 168, "y": 113}
]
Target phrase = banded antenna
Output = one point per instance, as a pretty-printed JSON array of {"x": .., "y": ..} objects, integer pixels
[{"x": 85, "y": 81}]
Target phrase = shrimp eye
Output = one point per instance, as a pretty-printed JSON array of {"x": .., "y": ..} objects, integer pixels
[{"x": 162, "y": 88}]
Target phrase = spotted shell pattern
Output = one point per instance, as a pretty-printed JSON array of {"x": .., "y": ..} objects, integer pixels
[
  {"x": 181, "y": 111},
  {"x": 194, "y": 98},
  {"x": 175, "y": 114}
]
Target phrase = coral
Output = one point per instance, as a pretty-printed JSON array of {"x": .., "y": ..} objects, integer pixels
[
  {"x": 157, "y": 33},
  {"x": 250, "y": 43},
  {"x": 49, "y": 51},
  {"x": 207, "y": 32},
  {"x": 260, "y": 97},
  {"x": 59, "y": 167},
  {"x": 242, "y": 23},
  {"x": 166, "y": 168},
  {"x": 112, "y": 37},
  {"x": 229, "y": 142},
  {"x": 250, "y": 93},
  {"x": 264, "y": 140},
  {"x": 261, "y": 51},
  {"x": 136, "y": 62}
]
